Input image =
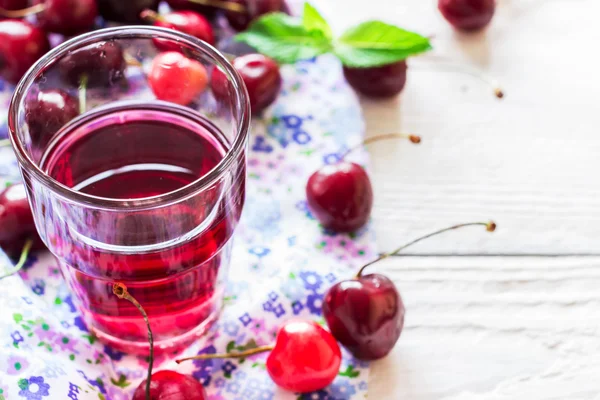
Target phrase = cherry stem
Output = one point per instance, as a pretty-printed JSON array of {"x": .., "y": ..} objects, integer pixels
[
  {"x": 22, "y": 259},
  {"x": 225, "y": 5},
  {"x": 469, "y": 70},
  {"x": 23, "y": 12},
  {"x": 120, "y": 290},
  {"x": 413, "y": 138},
  {"x": 151, "y": 16},
  {"x": 243, "y": 354},
  {"x": 4, "y": 143},
  {"x": 489, "y": 226},
  {"x": 83, "y": 94}
]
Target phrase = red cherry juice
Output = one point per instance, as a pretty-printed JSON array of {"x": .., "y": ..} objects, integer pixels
[{"x": 173, "y": 259}]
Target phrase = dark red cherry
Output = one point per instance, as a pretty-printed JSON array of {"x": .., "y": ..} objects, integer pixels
[
  {"x": 21, "y": 45},
  {"x": 48, "y": 111},
  {"x": 254, "y": 9},
  {"x": 67, "y": 17},
  {"x": 126, "y": 11},
  {"x": 365, "y": 315},
  {"x": 13, "y": 5},
  {"x": 16, "y": 220},
  {"x": 306, "y": 358},
  {"x": 171, "y": 385},
  {"x": 189, "y": 22},
  {"x": 378, "y": 82},
  {"x": 205, "y": 10},
  {"x": 340, "y": 196},
  {"x": 467, "y": 15},
  {"x": 261, "y": 76},
  {"x": 102, "y": 63}
]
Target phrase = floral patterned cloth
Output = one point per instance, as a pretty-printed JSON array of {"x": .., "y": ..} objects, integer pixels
[{"x": 283, "y": 262}]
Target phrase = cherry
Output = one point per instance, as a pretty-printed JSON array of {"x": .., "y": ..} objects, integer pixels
[
  {"x": 101, "y": 63},
  {"x": 305, "y": 357},
  {"x": 21, "y": 45},
  {"x": 378, "y": 82},
  {"x": 261, "y": 76},
  {"x": 48, "y": 111},
  {"x": 176, "y": 78},
  {"x": 366, "y": 314},
  {"x": 252, "y": 10},
  {"x": 189, "y": 22},
  {"x": 127, "y": 11},
  {"x": 16, "y": 220},
  {"x": 340, "y": 195},
  {"x": 171, "y": 385},
  {"x": 13, "y": 4},
  {"x": 204, "y": 9},
  {"x": 467, "y": 15},
  {"x": 67, "y": 17}
]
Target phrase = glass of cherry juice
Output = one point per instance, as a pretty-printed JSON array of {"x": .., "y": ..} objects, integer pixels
[{"x": 128, "y": 188}]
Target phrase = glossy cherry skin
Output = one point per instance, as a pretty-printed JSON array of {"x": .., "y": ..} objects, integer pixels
[
  {"x": 47, "y": 111},
  {"x": 16, "y": 220},
  {"x": 176, "y": 78},
  {"x": 103, "y": 64},
  {"x": 254, "y": 9},
  {"x": 67, "y": 17},
  {"x": 171, "y": 385},
  {"x": 21, "y": 45},
  {"x": 306, "y": 357},
  {"x": 126, "y": 11},
  {"x": 340, "y": 196},
  {"x": 189, "y": 22},
  {"x": 468, "y": 15},
  {"x": 378, "y": 82},
  {"x": 207, "y": 11},
  {"x": 261, "y": 76},
  {"x": 366, "y": 315}
]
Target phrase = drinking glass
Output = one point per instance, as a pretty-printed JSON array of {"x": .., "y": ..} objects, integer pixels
[{"x": 131, "y": 189}]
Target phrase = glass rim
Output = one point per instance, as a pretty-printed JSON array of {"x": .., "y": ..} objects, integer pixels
[{"x": 131, "y": 32}]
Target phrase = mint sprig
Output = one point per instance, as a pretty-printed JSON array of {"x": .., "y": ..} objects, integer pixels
[{"x": 369, "y": 44}]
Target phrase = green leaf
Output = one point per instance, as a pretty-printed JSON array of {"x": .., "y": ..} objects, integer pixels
[
  {"x": 230, "y": 346},
  {"x": 313, "y": 21},
  {"x": 375, "y": 43},
  {"x": 284, "y": 38},
  {"x": 350, "y": 372},
  {"x": 122, "y": 382}
]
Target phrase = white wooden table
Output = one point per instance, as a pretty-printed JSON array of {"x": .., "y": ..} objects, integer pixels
[{"x": 515, "y": 314}]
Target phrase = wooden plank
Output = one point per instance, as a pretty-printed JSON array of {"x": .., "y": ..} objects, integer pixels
[
  {"x": 494, "y": 328},
  {"x": 528, "y": 161}
]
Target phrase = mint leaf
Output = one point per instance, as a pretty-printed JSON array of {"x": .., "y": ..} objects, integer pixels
[
  {"x": 284, "y": 38},
  {"x": 313, "y": 21},
  {"x": 375, "y": 43}
]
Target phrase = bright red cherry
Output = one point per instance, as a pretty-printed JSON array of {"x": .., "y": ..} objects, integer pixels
[
  {"x": 171, "y": 385},
  {"x": 205, "y": 10},
  {"x": 189, "y": 22},
  {"x": 305, "y": 358},
  {"x": 340, "y": 196},
  {"x": 378, "y": 82},
  {"x": 127, "y": 11},
  {"x": 253, "y": 9},
  {"x": 101, "y": 63},
  {"x": 67, "y": 17},
  {"x": 365, "y": 315},
  {"x": 48, "y": 111},
  {"x": 468, "y": 15},
  {"x": 21, "y": 45},
  {"x": 176, "y": 78},
  {"x": 261, "y": 76},
  {"x": 16, "y": 220}
]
